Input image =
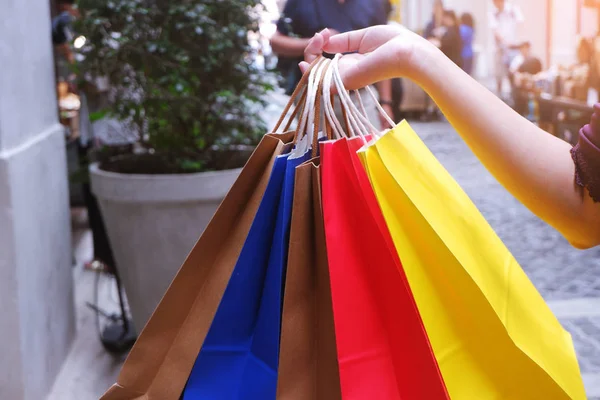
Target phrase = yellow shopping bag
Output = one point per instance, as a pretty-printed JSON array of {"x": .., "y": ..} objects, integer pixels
[{"x": 492, "y": 333}]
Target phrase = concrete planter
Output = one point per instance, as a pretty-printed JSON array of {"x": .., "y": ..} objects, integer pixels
[{"x": 153, "y": 221}]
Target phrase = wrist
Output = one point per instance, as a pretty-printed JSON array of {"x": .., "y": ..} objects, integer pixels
[
  {"x": 425, "y": 59},
  {"x": 430, "y": 68}
]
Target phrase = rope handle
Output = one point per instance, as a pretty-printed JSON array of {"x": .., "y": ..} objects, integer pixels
[{"x": 299, "y": 89}]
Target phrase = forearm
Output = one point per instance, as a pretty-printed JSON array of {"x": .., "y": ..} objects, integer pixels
[
  {"x": 288, "y": 46},
  {"x": 533, "y": 165}
]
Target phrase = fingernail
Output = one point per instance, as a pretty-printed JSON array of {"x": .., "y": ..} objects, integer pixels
[{"x": 324, "y": 30}]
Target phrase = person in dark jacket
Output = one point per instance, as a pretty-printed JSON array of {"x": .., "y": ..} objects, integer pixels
[
  {"x": 62, "y": 28},
  {"x": 301, "y": 19},
  {"x": 451, "y": 43}
]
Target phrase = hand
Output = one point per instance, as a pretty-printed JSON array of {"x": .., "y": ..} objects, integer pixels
[
  {"x": 383, "y": 52},
  {"x": 332, "y": 32}
]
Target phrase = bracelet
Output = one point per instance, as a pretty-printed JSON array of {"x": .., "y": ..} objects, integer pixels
[
  {"x": 586, "y": 157},
  {"x": 386, "y": 102}
]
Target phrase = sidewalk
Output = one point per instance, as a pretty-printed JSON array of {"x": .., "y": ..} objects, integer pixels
[{"x": 89, "y": 370}]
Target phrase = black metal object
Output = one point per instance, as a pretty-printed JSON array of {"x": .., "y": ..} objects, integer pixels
[{"x": 119, "y": 335}]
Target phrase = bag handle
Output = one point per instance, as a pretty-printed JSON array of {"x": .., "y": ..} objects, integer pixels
[
  {"x": 320, "y": 99},
  {"x": 308, "y": 115},
  {"x": 299, "y": 89},
  {"x": 329, "y": 109},
  {"x": 357, "y": 118},
  {"x": 312, "y": 114},
  {"x": 355, "y": 126}
]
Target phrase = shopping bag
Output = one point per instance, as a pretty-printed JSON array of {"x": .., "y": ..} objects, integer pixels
[
  {"x": 239, "y": 358},
  {"x": 268, "y": 332},
  {"x": 159, "y": 364},
  {"x": 492, "y": 333},
  {"x": 382, "y": 346},
  {"x": 235, "y": 362},
  {"x": 161, "y": 360},
  {"x": 308, "y": 366}
]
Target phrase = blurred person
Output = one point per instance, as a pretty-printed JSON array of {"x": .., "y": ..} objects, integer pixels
[
  {"x": 505, "y": 19},
  {"x": 432, "y": 30},
  {"x": 525, "y": 62},
  {"x": 62, "y": 35},
  {"x": 467, "y": 34},
  {"x": 522, "y": 71},
  {"x": 577, "y": 80},
  {"x": 447, "y": 38},
  {"x": 301, "y": 19},
  {"x": 560, "y": 184},
  {"x": 451, "y": 43}
]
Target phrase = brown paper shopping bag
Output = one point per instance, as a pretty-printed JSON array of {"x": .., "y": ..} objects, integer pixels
[
  {"x": 160, "y": 362},
  {"x": 308, "y": 366}
]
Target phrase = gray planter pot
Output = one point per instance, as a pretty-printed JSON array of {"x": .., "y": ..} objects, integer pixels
[{"x": 153, "y": 221}]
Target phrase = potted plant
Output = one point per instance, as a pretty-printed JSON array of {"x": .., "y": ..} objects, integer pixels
[{"x": 183, "y": 81}]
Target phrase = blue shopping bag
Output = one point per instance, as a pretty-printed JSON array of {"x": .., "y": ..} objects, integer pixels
[
  {"x": 240, "y": 355},
  {"x": 268, "y": 328}
]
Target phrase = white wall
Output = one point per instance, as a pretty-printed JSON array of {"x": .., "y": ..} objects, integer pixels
[{"x": 36, "y": 300}]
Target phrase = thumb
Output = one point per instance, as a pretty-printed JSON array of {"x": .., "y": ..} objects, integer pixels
[
  {"x": 304, "y": 66},
  {"x": 314, "y": 48}
]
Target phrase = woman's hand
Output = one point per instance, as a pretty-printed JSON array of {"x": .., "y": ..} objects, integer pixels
[{"x": 381, "y": 52}]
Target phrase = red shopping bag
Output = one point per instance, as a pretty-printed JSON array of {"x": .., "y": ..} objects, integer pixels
[{"x": 383, "y": 350}]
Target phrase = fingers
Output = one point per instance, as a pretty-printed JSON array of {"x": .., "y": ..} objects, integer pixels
[
  {"x": 370, "y": 69},
  {"x": 304, "y": 66},
  {"x": 346, "y": 42},
  {"x": 314, "y": 48},
  {"x": 362, "y": 41}
]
